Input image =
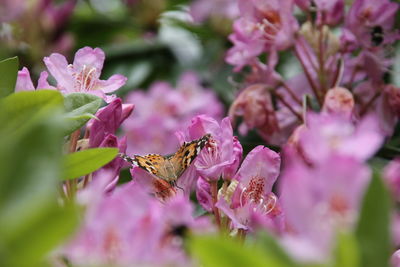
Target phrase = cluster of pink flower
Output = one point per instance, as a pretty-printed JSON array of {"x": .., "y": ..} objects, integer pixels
[
  {"x": 341, "y": 72},
  {"x": 324, "y": 173}
]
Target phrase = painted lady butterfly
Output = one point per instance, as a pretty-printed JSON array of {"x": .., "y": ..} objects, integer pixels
[{"x": 171, "y": 167}]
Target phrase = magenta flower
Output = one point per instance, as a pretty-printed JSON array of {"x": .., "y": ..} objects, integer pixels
[
  {"x": 319, "y": 201},
  {"x": 253, "y": 197},
  {"x": 224, "y": 151},
  {"x": 84, "y": 74},
  {"x": 108, "y": 120},
  {"x": 163, "y": 110},
  {"x": 24, "y": 81}
]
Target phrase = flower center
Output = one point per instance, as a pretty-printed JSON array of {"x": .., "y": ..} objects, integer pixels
[
  {"x": 86, "y": 79},
  {"x": 270, "y": 24},
  {"x": 254, "y": 195}
]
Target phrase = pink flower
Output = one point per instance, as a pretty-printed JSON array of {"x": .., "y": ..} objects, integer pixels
[
  {"x": 253, "y": 197},
  {"x": 163, "y": 110},
  {"x": 108, "y": 120},
  {"x": 339, "y": 101},
  {"x": 83, "y": 75},
  {"x": 318, "y": 201},
  {"x": 220, "y": 156},
  {"x": 130, "y": 228},
  {"x": 366, "y": 16},
  {"x": 254, "y": 104},
  {"x": 203, "y": 9},
  {"x": 24, "y": 81},
  {"x": 326, "y": 135},
  {"x": 262, "y": 27},
  {"x": 328, "y": 11}
]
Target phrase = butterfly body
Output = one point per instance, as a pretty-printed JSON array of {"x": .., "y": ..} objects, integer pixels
[{"x": 170, "y": 167}]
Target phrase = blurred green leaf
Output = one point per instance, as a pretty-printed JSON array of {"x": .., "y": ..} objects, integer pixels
[
  {"x": 8, "y": 75},
  {"x": 32, "y": 222},
  {"x": 20, "y": 110},
  {"x": 372, "y": 231},
  {"x": 273, "y": 249},
  {"x": 80, "y": 108},
  {"x": 86, "y": 161},
  {"x": 346, "y": 252},
  {"x": 223, "y": 252}
]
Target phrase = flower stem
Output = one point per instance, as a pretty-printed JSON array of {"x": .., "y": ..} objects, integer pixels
[
  {"x": 71, "y": 184},
  {"x": 309, "y": 78},
  {"x": 214, "y": 196},
  {"x": 364, "y": 109},
  {"x": 286, "y": 104},
  {"x": 291, "y": 93}
]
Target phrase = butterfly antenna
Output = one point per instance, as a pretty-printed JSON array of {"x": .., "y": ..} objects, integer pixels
[{"x": 126, "y": 158}]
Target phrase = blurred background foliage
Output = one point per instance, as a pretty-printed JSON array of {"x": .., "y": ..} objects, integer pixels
[{"x": 145, "y": 40}]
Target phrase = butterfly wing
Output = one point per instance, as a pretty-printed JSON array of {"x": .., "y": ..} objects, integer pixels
[
  {"x": 151, "y": 163},
  {"x": 170, "y": 168},
  {"x": 186, "y": 154}
]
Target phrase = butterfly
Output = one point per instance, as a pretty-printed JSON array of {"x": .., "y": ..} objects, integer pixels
[{"x": 169, "y": 168}]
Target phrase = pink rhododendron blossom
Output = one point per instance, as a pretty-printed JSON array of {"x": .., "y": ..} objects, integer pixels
[
  {"x": 252, "y": 196},
  {"x": 365, "y": 15},
  {"x": 108, "y": 120},
  {"x": 24, "y": 81},
  {"x": 339, "y": 101},
  {"x": 220, "y": 155},
  {"x": 203, "y": 9},
  {"x": 84, "y": 74},
  {"x": 319, "y": 201},
  {"x": 262, "y": 27},
  {"x": 327, "y": 134},
  {"x": 128, "y": 227},
  {"x": 254, "y": 104},
  {"x": 163, "y": 110},
  {"x": 328, "y": 11},
  {"x": 381, "y": 106}
]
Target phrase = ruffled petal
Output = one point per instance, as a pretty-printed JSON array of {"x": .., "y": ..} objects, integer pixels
[
  {"x": 89, "y": 57},
  {"x": 113, "y": 83},
  {"x": 58, "y": 67}
]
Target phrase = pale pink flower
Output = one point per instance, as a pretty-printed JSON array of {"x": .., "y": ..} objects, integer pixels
[
  {"x": 318, "y": 201},
  {"x": 339, "y": 101},
  {"x": 203, "y": 9},
  {"x": 84, "y": 74},
  {"x": 24, "y": 81},
  {"x": 253, "y": 197}
]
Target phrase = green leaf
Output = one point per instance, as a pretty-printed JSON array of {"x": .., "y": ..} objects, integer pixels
[
  {"x": 20, "y": 110},
  {"x": 86, "y": 161},
  {"x": 372, "y": 231},
  {"x": 273, "y": 249},
  {"x": 32, "y": 221},
  {"x": 214, "y": 251},
  {"x": 80, "y": 108},
  {"x": 8, "y": 76},
  {"x": 346, "y": 252}
]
